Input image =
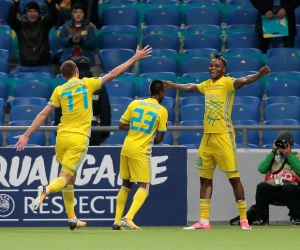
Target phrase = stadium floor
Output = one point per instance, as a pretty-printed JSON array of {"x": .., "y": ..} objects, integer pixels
[{"x": 223, "y": 237}]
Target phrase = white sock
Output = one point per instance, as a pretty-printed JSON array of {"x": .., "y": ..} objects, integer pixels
[
  {"x": 204, "y": 222},
  {"x": 74, "y": 219},
  {"x": 47, "y": 191}
]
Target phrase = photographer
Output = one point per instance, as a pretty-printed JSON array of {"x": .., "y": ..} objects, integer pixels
[{"x": 282, "y": 169}]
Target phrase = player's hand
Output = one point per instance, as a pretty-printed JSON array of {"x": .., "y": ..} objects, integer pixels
[
  {"x": 141, "y": 54},
  {"x": 16, "y": 1},
  {"x": 269, "y": 14},
  {"x": 264, "y": 71},
  {"x": 169, "y": 84},
  {"x": 21, "y": 144},
  {"x": 281, "y": 13}
]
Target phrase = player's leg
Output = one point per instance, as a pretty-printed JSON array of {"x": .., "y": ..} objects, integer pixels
[
  {"x": 123, "y": 192},
  {"x": 141, "y": 173}
]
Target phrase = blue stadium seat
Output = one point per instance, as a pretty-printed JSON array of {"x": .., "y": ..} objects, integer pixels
[
  {"x": 168, "y": 138},
  {"x": 6, "y": 42},
  {"x": 163, "y": 52},
  {"x": 191, "y": 123},
  {"x": 199, "y": 99},
  {"x": 191, "y": 139},
  {"x": 2, "y": 103},
  {"x": 4, "y": 91},
  {"x": 250, "y": 27},
  {"x": 33, "y": 75},
  {"x": 253, "y": 136},
  {"x": 37, "y": 138},
  {"x": 197, "y": 75},
  {"x": 52, "y": 138},
  {"x": 242, "y": 63},
  {"x": 170, "y": 2},
  {"x": 199, "y": 15},
  {"x": 243, "y": 51},
  {"x": 120, "y": 1},
  {"x": 119, "y": 41},
  {"x": 283, "y": 63},
  {"x": 284, "y": 87},
  {"x": 120, "y": 16},
  {"x": 203, "y": 2},
  {"x": 42, "y": 102},
  {"x": 160, "y": 75},
  {"x": 58, "y": 76},
  {"x": 250, "y": 100},
  {"x": 240, "y": 2},
  {"x": 282, "y": 122},
  {"x": 199, "y": 41},
  {"x": 202, "y": 27},
  {"x": 269, "y": 136},
  {"x": 116, "y": 138},
  {"x": 297, "y": 14},
  {"x": 283, "y": 52},
  {"x": 158, "y": 64},
  {"x": 200, "y": 52},
  {"x": 281, "y": 111},
  {"x": 120, "y": 100},
  {"x": 283, "y": 74},
  {"x": 171, "y": 114},
  {"x": 239, "y": 74},
  {"x": 162, "y": 16},
  {"x": 121, "y": 88},
  {"x": 3, "y": 75},
  {"x": 297, "y": 41},
  {"x": 3, "y": 10},
  {"x": 2, "y": 115},
  {"x": 253, "y": 146},
  {"x": 120, "y": 28},
  {"x": 33, "y": 89},
  {"x": 245, "y": 112},
  {"x": 242, "y": 40},
  {"x": 24, "y": 112},
  {"x": 111, "y": 58},
  {"x": 168, "y": 102},
  {"x": 153, "y": 29},
  {"x": 293, "y": 100},
  {"x": 196, "y": 64},
  {"x": 1, "y": 139},
  {"x": 117, "y": 111},
  {"x": 192, "y": 112},
  {"x": 241, "y": 16},
  {"x": 162, "y": 41},
  {"x": 4, "y": 61}
]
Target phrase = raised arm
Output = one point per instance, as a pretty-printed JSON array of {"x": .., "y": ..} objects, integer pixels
[
  {"x": 240, "y": 82},
  {"x": 189, "y": 87},
  {"x": 139, "y": 55},
  {"x": 12, "y": 18},
  {"x": 51, "y": 18}
]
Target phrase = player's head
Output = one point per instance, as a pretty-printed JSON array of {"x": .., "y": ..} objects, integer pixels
[
  {"x": 157, "y": 90},
  {"x": 217, "y": 67},
  {"x": 69, "y": 69}
]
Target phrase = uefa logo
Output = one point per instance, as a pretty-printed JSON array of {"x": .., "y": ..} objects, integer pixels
[{"x": 7, "y": 205}]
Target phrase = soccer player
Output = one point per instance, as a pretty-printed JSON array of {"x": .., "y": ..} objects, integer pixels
[
  {"x": 75, "y": 99},
  {"x": 142, "y": 119},
  {"x": 218, "y": 143}
]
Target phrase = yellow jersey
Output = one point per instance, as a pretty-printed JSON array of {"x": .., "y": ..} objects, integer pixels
[
  {"x": 219, "y": 97},
  {"x": 145, "y": 118},
  {"x": 75, "y": 99}
]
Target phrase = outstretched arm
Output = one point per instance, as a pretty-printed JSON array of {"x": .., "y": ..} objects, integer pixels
[
  {"x": 38, "y": 121},
  {"x": 189, "y": 87},
  {"x": 139, "y": 55},
  {"x": 240, "y": 82}
]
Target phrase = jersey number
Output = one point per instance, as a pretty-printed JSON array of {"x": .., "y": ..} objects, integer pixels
[
  {"x": 70, "y": 97},
  {"x": 149, "y": 123}
]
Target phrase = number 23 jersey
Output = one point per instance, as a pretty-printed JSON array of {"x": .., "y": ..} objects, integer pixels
[
  {"x": 75, "y": 99},
  {"x": 145, "y": 117}
]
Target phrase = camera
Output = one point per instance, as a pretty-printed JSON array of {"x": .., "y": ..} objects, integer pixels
[{"x": 281, "y": 144}]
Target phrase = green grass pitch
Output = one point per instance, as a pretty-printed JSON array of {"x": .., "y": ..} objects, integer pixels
[{"x": 220, "y": 237}]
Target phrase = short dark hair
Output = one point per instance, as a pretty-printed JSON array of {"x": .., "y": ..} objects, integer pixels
[
  {"x": 156, "y": 86},
  {"x": 68, "y": 69},
  {"x": 220, "y": 57}
]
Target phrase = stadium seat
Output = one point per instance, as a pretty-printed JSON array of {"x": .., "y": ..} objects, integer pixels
[
  {"x": 293, "y": 100},
  {"x": 24, "y": 112},
  {"x": 158, "y": 64},
  {"x": 52, "y": 138},
  {"x": 283, "y": 52},
  {"x": 4, "y": 91},
  {"x": 116, "y": 138},
  {"x": 4, "y": 9},
  {"x": 162, "y": 41},
  {"x": 2, "y": 115},
  {"x": 245, "y": 112},
  {"x": 1, "y": 139},
  {"x": 269, "y": 136},
  {"x": 191, "y": 123},
  {"x": 163, "y": 52},
  {"x": 199, "y": 15},
  {"x": 240, "y": 2},
  {"x": 239, "y": 74},
  {"x": 33, "y": 89},
  {"x": 170, "y": 2},
  {"x": 284, "y": 87},
  {"x": 6, "y": 42},
  {"x": 192, "y": 100},
  {"x": 281, "y": 111},
  {"x": 120, "y": 100},
  {"x": 3, "y": 75},
  {"x": 120, "y": 28},
  {"x": 35, "y": 75},
  {"x": 283, "y": 63},
  {"x": 4, "y": 61},
  {"x": 196, "y": 64},
  {"x": 111, "y": 58},
  {"x": 297, "y": 41},
  {"x": 203, "y": 2},
  {"x": 250, "y": 100},
  {"x": 168, "y": 102},
  {"x": 200, "y": 52},
  {"x": 297, "y": 14},
  {"x": 120, "y": 16},
  {"x": 250, "y": 27},
  {"x": 242, "y": 63},
  {"x": 202, "y": 27},
  {"x": 253, "y": 146},
  {"x": 160, "y": 75},
  {"x": 283, "y": 74},
  {"x": 243, "y": 51},
  {"x": 199, "y": 41},
  {"x": 191, "y": 139},
  {"x": 42, "y": 102},
  {"x": 241, "y": 16},
  {"x": 117, "y": 111},
  {"x": 121, "y": 88},
  {"x": 162, "y": 16},
  {"x": 120, "y": 1},
  {"x": 37, "y": 138},
  {"x": 119, "y": 41},
  {"x": 282, "y": 122},
  {"x": 168, "y": 138},
  {"x": 192, "y": 112},
  {"x": 153, "y": 29},
  {"x": 242, "y": 40},
  {"x": 253, "y": 136},
  {"x": 197, "y": 75},
  {"x": 171, "y": 114}
]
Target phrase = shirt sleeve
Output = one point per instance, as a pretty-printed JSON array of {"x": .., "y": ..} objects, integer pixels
[
  {"x": 229, "y": 84},
  {"x": 201, "y": 86},
  {"x": 162, "y": 126},
  {"x": 94, "y": 83},
  {"x": 126, "y": 117},
  {"x": 54, "y": 99}
]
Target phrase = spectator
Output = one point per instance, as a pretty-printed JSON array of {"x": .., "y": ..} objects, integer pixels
[
  {"x": 33, "y": 36},
  {"x": 281, "y": 8},
  {"x": 101, "y": 116},
  {"x": 282, "y": 169},
  {"x": 77, "y": 37}
]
